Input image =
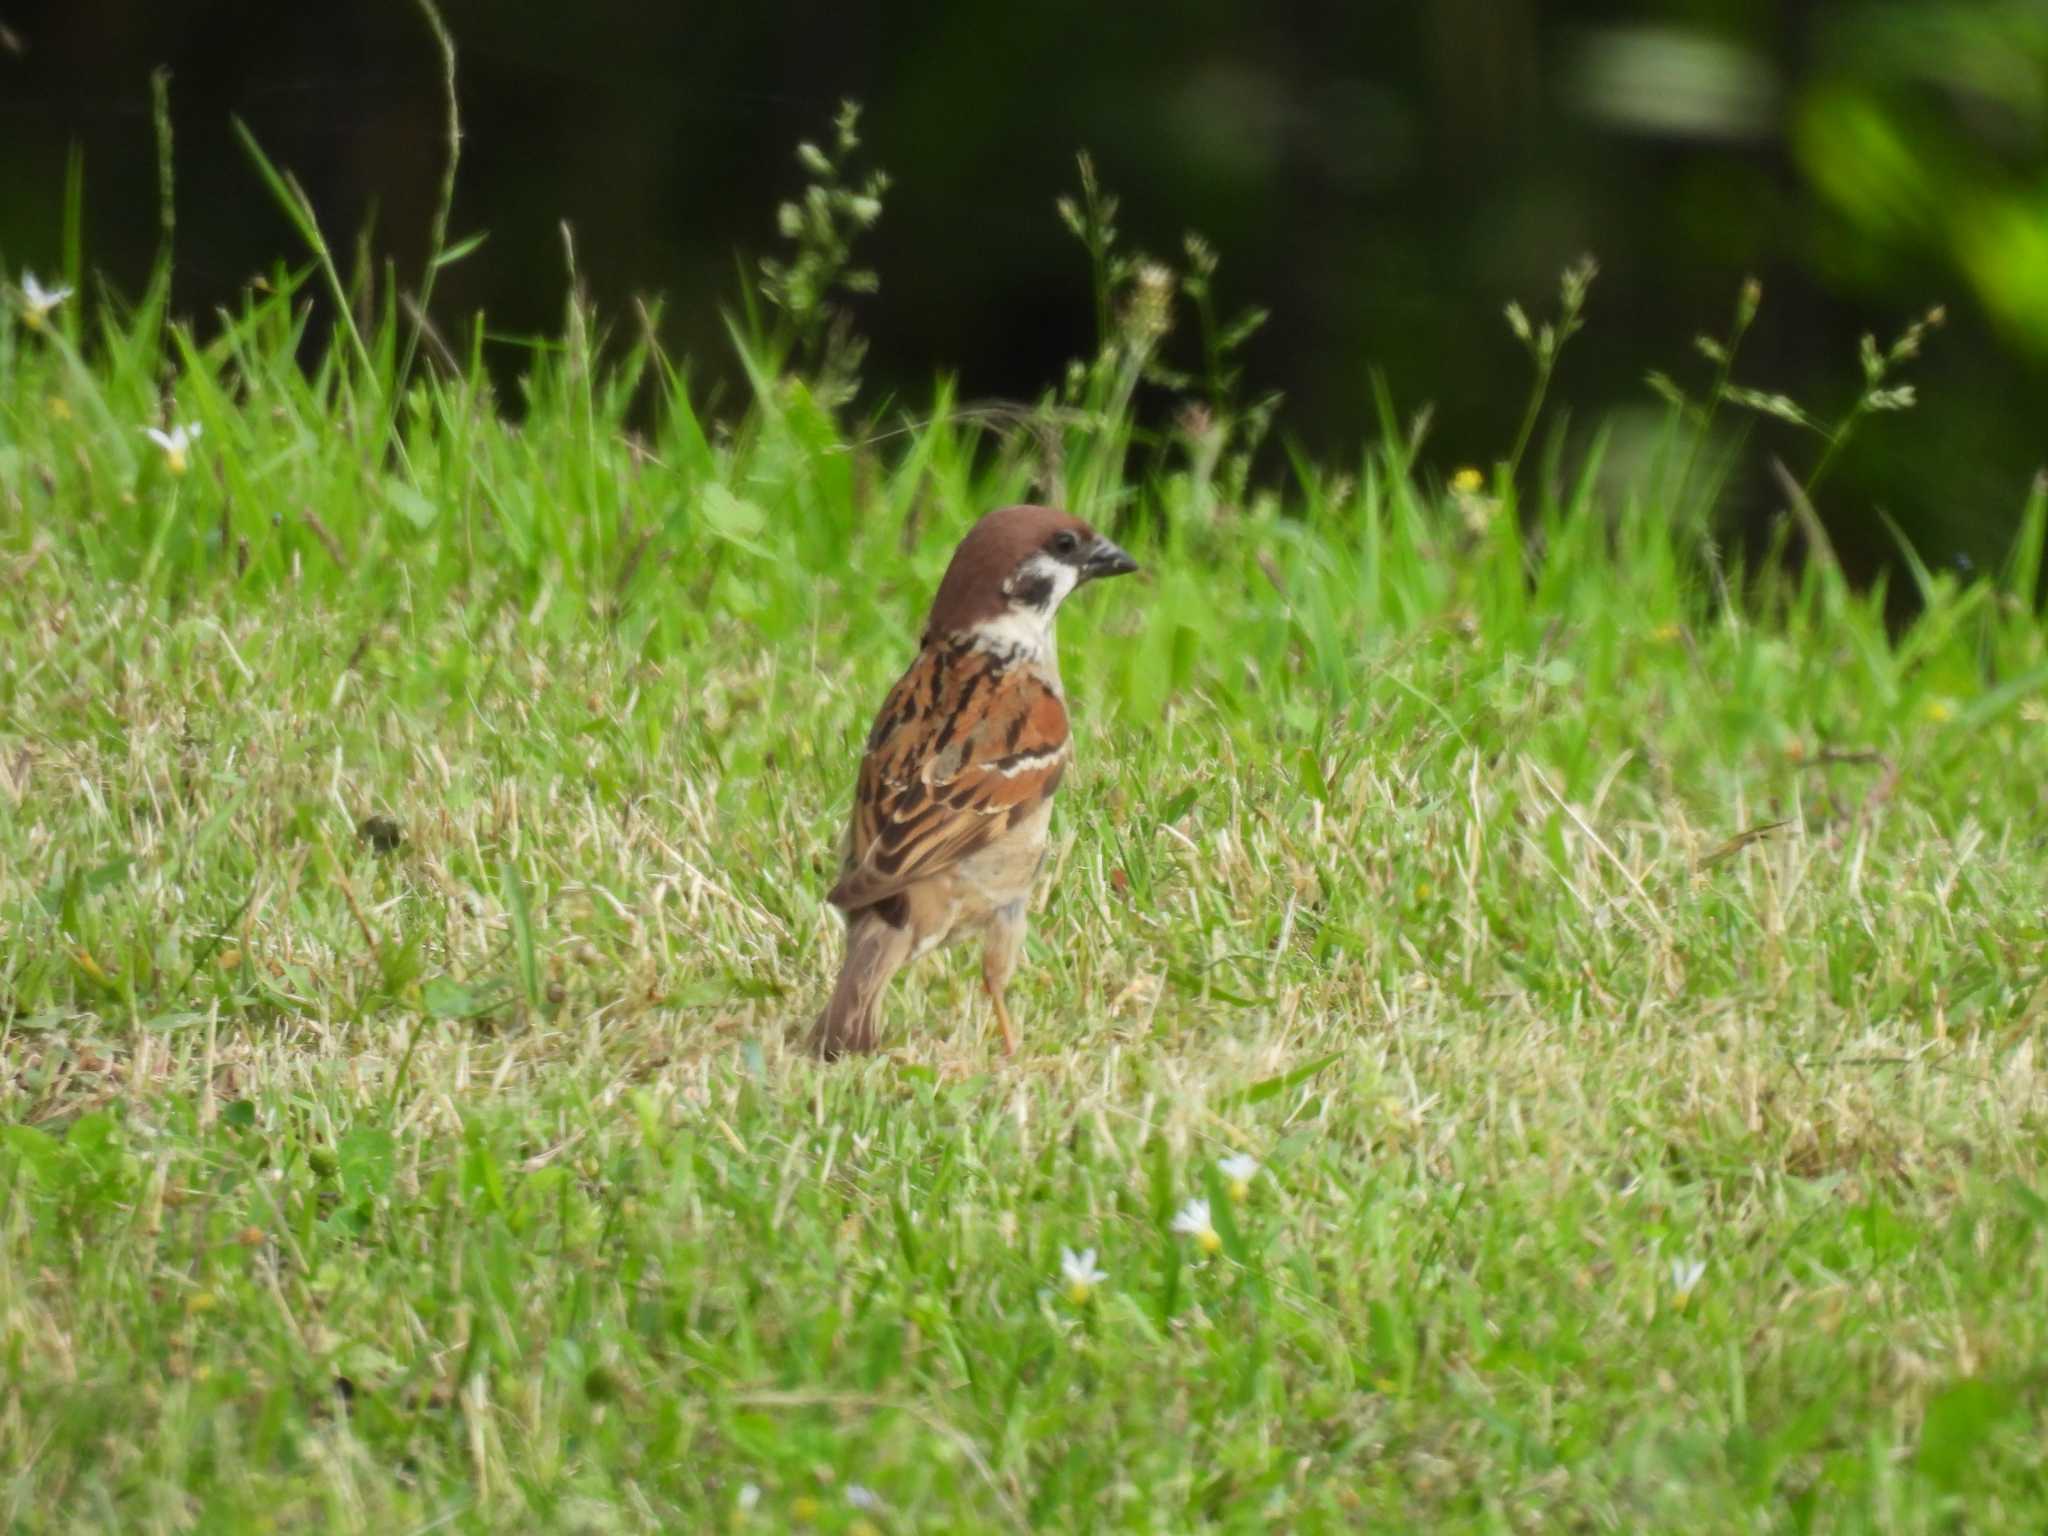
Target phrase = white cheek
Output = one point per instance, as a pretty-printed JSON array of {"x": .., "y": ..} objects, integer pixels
[{"x": 1026, "y": 630}]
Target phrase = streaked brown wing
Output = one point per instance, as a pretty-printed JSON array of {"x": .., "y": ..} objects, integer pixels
[{"x": 963, "y": 750}]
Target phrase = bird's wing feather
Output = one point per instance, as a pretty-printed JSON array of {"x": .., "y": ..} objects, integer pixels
[{"x": 965, "y": 748}]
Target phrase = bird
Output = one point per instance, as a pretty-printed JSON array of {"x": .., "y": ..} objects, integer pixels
[{"x": 954, "y": 796}]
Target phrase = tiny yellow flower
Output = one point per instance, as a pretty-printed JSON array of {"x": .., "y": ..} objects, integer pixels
[
  {"x": 804, "y": 1507},
  {"x": 1193, "y": 1221},
  {"x": 60, "y": 408},
  {"x": 1940, "y": 711},
  {"x": 1685, "y": 1279},
  {"x": 1238, "y": 1171},
  {"x": 1664, "y": 634},
  {"x": 1468, "y": 481},
  {"x": 176, "y": 444},
  {"x": 1080, "y": 1274},
  {"x": 37, "y": 301}
]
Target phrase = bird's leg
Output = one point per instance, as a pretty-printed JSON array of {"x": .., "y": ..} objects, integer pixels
[
  {"x": 1002, "y": 1016},
  {"x": 998, "y": 961}
]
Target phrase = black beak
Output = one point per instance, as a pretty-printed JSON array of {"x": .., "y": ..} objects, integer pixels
[{"x": 1106, "y": 559}]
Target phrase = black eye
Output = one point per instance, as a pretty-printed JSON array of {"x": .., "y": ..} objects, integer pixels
[{"x": 1065, "y": 543}]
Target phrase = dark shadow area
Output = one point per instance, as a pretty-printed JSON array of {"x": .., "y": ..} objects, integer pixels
[{"x": 1382, "y": 177}]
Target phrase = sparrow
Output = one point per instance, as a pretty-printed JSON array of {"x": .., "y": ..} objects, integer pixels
[{"x": 954, "y": 798}]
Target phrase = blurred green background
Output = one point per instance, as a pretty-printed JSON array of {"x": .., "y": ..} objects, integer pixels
[{"x": 1381, "y": 176}]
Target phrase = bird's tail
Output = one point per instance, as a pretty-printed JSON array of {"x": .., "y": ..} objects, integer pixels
[{"x": 875, "y": 951}]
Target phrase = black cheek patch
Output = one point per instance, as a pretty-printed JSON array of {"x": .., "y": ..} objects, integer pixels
[
  {"x": 893, "y": 910},
  {"x": 1032, "y": 592}
]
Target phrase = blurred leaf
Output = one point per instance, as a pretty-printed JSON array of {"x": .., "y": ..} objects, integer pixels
[
  {"x": 732, "y": 519},
  {"x": 1270, "y": 1087},
  {"x": 1994, "y": 703},
  {"x": 411, "y": 505},
  {"x": 446, "y": 998},
  {"x": 1863, "y": 161},
  {"x": 1664, "y": 78},
  {"x": 461, "y": 248},
  {"x": 170, "y": 1023},
  {"x": 1159, "y": 1167},
  {"x": 66, "y": 897},
  {"x": 2030, "y": 1202},
  {"x": 365, "y": 1160},
  {"x": 1199, "y": 983},
  {"x": 39, "y": 1152},
  {"x": 521, "y": 917},
  {"x": 1311, "y": 775},
  {"x": 1958, "y": 1421},
  {"x": 906, "y": 1231}
]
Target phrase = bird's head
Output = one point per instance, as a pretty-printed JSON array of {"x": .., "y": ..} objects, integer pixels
[{"x": 1013, "y": 570}]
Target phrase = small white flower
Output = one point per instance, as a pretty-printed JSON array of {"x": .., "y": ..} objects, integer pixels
[
  {"x": 750, "y": 1495},
  {"x": 862, "y": 1498},
  {"x": 1193, "y": 1221},
  {"x": 1238, "y": 1170},
  {"x": 37, "y": 301},
  {"x": 175, "y": 444},
  {"x": 1685, "y": 1279},
  {"x": 1079, "y": 1272}
]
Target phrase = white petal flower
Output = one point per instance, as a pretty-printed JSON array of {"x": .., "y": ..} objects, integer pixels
[
  {"x": 175, "y": 444},
  {"x": 750, "y": 1495},
  {"x": 37, "y": 301},
  {"x": 1685, "y": 1279},
  {"x": 862, "y": 1498},
  {"x": 1238, "y": 1170},
  {"x": 1193, "y": 1221},
  {"x": 1080, "y": 1274}
]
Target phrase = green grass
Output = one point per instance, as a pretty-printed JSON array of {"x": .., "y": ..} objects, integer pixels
[{"x": 1546, "y": 905}]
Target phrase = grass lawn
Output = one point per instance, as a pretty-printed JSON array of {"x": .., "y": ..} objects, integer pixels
[{"x": 1627, "y": 971}]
